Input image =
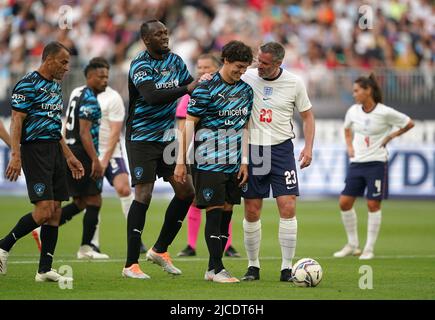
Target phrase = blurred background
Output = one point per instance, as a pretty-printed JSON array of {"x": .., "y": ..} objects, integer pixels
[{"x": 328, "y": 43}]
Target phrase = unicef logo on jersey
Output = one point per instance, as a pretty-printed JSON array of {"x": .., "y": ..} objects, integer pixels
[
  {"x": 208, "y": 194},
  {"x": 39, "y": 189},
  {"x": 138, "y": 171}
]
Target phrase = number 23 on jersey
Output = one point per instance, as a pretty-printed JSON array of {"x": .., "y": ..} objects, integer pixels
[{"x": 266, "y": 115}]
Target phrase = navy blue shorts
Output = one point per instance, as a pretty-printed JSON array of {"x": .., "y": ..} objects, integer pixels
[
  {"x": 116, "y": 166},
  {"x": 271, "y": 166},
  {"x": 371, "y": 175}
]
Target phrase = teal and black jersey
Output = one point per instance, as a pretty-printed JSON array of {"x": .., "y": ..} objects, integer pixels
[
  {"x": 41, "y": 100},
  {"x": 224, "y": 110},
  {"x": 148, "y": 122},
  {"x": 83, "y": 105}
]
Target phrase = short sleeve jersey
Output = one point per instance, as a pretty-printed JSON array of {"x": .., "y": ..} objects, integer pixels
[
  {"x": 224, "y": 110},
  {"x": 83, "y": 106},
  {"x": 148, "y": 122},
  {"x": 41, "y": 100},
  {"x": 275, "y": 100},
  {"x": 370, "y": 129}
]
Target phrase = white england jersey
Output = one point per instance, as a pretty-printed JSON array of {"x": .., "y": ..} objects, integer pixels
[
  {"x": 112, "y": 109},
  {"x": 370, "y": 129},
  {"x": 271, "y": 120}
]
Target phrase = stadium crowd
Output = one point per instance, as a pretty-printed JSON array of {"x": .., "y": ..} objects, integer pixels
[{"x": 318, "y": 35}]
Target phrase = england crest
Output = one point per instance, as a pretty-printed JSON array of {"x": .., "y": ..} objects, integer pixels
[
  {"x": 39, "y": 189},
  {"x": 268, "y": 91},
  {"x": 138, "y": 171},
  {"x": 208, "y": 194}
]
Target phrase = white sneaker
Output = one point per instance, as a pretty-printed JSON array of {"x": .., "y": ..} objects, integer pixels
[
  {"x": 3, "y": 261},
  {"x": 209, "y": 275},
  {"x": 51, "y": 275},
  {"x": 87, "y": 252},
  {"x": 224, "y": 277},
  {"x": 134, "y": 272},
  {"x": 347, "y": 250},
  {"x": 367, "y": 255},
  {"x": 163, "y": 260}
]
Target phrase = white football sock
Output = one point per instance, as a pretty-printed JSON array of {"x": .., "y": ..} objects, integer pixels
[
  {"x": 288, "y": 229},
  {"x": 252, "y": 239},
  {"x": 126, "y": 203},
  {"x": 350, "y": 225},
  {"x": 373, "y": 226}
]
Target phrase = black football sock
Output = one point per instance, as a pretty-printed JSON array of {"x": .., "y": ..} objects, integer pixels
[
  {"x": 90, "y": 221},
  {"x": 48, "y": 245},
  {"x": 225, "y": 224},
  {"x": 135, "y": 225},
  {"x": 24, "y": 226},
  {"x": 212, "y": 238},
  {"x": 175, "y": 214},
  {"x": 68, "y": 212}
]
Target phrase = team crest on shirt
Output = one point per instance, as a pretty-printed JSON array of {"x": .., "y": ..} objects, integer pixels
[
  {"x": 138, "y": 171},
  {"x": 39, "y": 189},
  {"x": 208, "y": 194},
  {"x": 267, "y": 91}
]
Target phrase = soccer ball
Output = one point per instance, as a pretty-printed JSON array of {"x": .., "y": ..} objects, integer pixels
[{"x": 307, "y": 272}]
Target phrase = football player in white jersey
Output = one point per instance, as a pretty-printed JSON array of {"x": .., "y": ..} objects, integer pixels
[
  {"x": 369, "y": 126},
  {"x": 277, "y": 93}
]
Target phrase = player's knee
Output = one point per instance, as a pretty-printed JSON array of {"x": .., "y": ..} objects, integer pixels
[
  {"x": 80, "y": 203},
  {"x": 44, "y": 212},
  {"x": 143, "y": 196},
  {"x": 187, "y": 194},
  {"x": 95, "y": 201},
  {"x": 288, "y": 210},
  {"x": 123, "y": 191},
  {"x": 252, "y": 213},
  {"x": 374, "y": 206},
  {"x": 345, "y": 205}
]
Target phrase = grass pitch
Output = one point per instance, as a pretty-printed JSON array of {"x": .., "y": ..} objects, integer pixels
[{"x": 402, "y": 269}]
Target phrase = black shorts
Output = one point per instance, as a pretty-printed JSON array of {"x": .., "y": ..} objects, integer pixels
[
  {"x": 215, "y": 188},
  {"x": 86, "y": 186},
  {"x": 44, "y": 167},
  {"x": 146, "y": 160}
]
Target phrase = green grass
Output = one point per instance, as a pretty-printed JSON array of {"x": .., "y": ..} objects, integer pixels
[{"x": 403, "y": 267}]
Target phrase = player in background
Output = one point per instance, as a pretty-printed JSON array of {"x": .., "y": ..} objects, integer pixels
[
  {"x": 206, "y": 63},
  {"x": 277, "y": 94},
  {"x": 4, "y": 135},
  {"x": 111, "y": 157},
  {"x": 38, "y": 146},
  {"x": 82, "y": 134},
  {"x": 157, "y": 78},
  {"x": 368, "y": 128},
  {"x": 217, "y": 115}
]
